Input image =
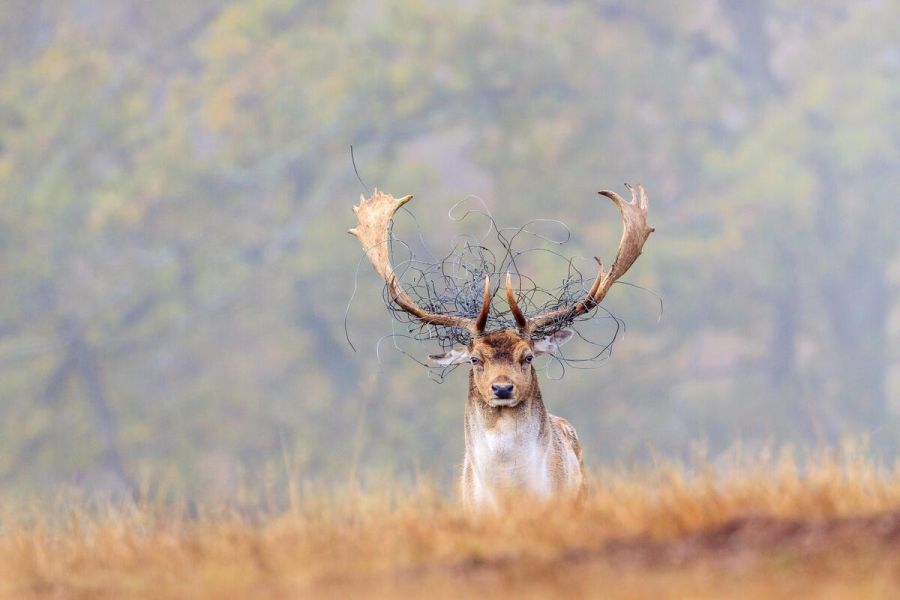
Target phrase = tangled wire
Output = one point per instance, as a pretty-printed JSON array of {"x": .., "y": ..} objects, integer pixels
[{"x": 453, "y": 284}]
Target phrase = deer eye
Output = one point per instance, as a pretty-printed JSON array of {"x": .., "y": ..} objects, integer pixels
[
  {"x": 528, "y": 358},
  {"x": 475, "y": 361}
]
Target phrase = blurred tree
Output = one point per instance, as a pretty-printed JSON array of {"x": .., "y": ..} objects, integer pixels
[{"x": 174, "y": 181}]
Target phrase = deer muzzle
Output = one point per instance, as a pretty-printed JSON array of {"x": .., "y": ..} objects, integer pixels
[{"x": 502, "y": 394}]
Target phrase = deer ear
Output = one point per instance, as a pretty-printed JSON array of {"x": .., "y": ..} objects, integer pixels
[
  {"x": 452, "y": 357},
  {"x": 551, "y": 343}
]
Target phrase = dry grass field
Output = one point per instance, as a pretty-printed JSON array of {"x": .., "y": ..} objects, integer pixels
[{"x": 761, "y": 528}]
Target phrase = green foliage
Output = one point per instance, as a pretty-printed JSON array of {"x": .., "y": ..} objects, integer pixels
[{"x": 175, "y": 183}]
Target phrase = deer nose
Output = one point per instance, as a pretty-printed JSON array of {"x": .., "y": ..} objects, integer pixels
[{"x": 502, "y": 390}]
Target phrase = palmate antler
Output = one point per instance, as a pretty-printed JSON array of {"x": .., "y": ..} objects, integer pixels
[
  {"x": 635, "y": 233},
  {"x": 373, "y": 231}
]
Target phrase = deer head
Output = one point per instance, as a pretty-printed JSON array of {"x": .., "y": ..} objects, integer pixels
[{"x": 502, "y": 373}]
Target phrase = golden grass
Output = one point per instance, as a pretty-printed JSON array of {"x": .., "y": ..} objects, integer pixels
[{"x": 668, "y": 531}]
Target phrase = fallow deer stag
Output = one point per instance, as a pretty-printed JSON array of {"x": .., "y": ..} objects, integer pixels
[{"x": 513, "y": 446}]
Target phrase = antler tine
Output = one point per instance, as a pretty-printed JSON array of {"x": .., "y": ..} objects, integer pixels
[
  {"x": 373, "y": 231},
  {"x": 521, "y": 321},
  {"x": 481, "y": 322},
  {"x": 634, "y": 233}
]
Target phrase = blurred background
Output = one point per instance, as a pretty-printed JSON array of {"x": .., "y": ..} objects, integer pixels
[{"x": 175, "y": 186}]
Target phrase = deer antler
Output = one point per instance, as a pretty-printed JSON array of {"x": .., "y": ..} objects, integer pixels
[
  {"x": 521, "y": 320},
  {"x": 373, "y": 231},
  {"x": 635, "y": 233}
]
